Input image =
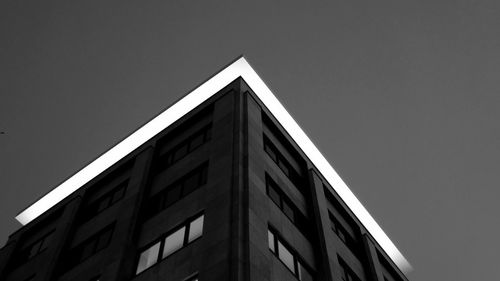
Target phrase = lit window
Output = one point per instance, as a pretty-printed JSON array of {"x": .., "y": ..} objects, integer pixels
[
  {"x": 195, "y": 229},
  {"x": 148, "y": 258},
  {"x": 174, "y": 242},
  {"x": 270, "y": 238},
  {"x": 286, "y": 257}
]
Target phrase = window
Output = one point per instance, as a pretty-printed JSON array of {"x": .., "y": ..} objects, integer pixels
[
  {"x": 288, "y": 257},
  {"x": 195, "y": 229},
  {"x": 343, "y": 234},
  {"x": 148, "y": 257},
  {"x": 32, "y": 277},
  {"x": 178, "y": 190},
  {"x": 282, "y": 163},
  {"x": 89, "y": 247},
  {"x": 106, "y": 201},
  {"x": 346, "y": 271},
  {"x": 174, "y": 242},
  {"x": 287, "y": 207},
  {"x": 34, "y": 248},
  {"x": 184, "y": 148},
  {"x": 170, "y": 243}
]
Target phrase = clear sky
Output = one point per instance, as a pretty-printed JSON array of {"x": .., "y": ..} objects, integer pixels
[{"x": 403, "y": 98}]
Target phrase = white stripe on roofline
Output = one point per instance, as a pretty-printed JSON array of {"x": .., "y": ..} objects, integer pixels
[{"x": 238, "y": 68}]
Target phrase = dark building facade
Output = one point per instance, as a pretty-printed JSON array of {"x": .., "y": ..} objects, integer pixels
[{"x": 224, "y": 193}]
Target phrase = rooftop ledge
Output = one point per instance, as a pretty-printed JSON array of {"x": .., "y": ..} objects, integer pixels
[{"x": 240, "y": 67}]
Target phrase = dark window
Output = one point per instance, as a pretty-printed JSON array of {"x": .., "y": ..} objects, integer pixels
[
  {"x": 343, "y": 234},
  {"x": 34, "y": 248},
  {"x": 89, "y": 247},
  {"x": 289, "y": 210},
  {"x": 179, "y": 189},
  {"x": 32, "y": 277},
  {"x": 346, "y": 271},
  {"x": 105, "y": 201},
  {"x": 170, "y": 243},
  {"x": 287, "y": 207},
  {"x": 184, "y": 148},
  {"x": 288, "y": 256},
  {"x": 282, "y": 163}
]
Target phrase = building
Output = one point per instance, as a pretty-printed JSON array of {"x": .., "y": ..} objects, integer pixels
[{"x": 223, "y": 185}]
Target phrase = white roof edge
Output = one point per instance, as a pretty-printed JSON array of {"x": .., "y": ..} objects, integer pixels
[{"x": 238, "y": 68}]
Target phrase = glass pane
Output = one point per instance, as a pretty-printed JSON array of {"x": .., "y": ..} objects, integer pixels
[
  {"x": 196, "y": 141},
  {"x": 148, "y": 258},
  {"x": 180, "y": 152},
  {"x": 208, "y": 133},
  {"x": 191, "y": 183},
  {"x": 274, "y": 194},
  {"x": 174, "y": 242},
  {"x": 173, "y": 195},
  {"x": 45, "y": 242},
  {"x": 88, "y": 249},
  {"x": 118, "y": 194},
  {"x": 270, "y": 152},
  {"x": 195, "y": 229},
  {"x": 287, "y": 209},
  {"x": 203, "y": 175},
  {"x": 304, "y": 275},
  {"x": 341, "y": 235},
  {"x": 103, "y": 240},
  {"x": 284, "y": 167},
  {"x": 270, "y": 241},
  {"x": 104, "y": 203},
  {"x": 286, "y": 257},
  {"x": 35, "y": 249}
]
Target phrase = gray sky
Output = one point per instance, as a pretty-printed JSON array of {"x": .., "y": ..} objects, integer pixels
[{"x": 401, "y": 96}]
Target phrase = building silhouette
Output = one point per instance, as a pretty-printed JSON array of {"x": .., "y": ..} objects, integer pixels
[{"x": 221, "y": 186}]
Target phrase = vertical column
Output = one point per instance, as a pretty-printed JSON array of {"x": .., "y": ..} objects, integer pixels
[
  {"x": 372, "y": 259},
  {"x": 322, "y": 223},
  {"x": 259, "y": 257},
  {"x": 223, "y": 187},
  {"x": 124, "y": 246},
  {"x": 239, "y": 205}
]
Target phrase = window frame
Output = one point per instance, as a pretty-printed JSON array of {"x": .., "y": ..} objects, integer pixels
[
  {"x": 343, "y": 235},
  {"x": 93, "y": 209},
  {"x": 168, "y": 159},
  {"x": 347, "y": 271},
  {"x": 93, "y": 241},
  {"x": 24, "y": 254},
  {"x": 298, "y": 261},
  {"x": 283, "y": 164},
  {"x": 160, "y": 200},
  {"x": 161, "y": 239},
  {"x": 299, "y": 220}
]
